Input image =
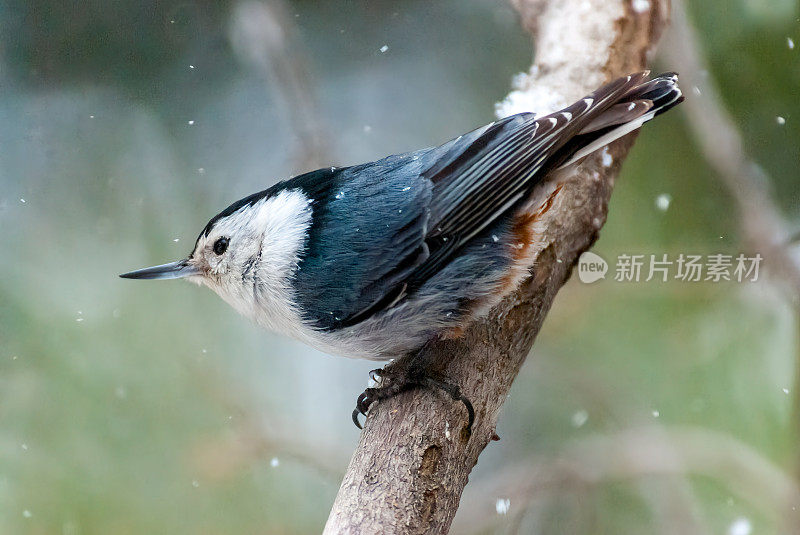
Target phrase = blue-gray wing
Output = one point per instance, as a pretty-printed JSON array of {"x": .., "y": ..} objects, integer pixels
[
  {"x": 381, "y": 230},
  {"x": 367, "y": 235}
]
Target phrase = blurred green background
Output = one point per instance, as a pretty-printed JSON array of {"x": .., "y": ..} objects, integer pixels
[{"x": 152, "y": 408}]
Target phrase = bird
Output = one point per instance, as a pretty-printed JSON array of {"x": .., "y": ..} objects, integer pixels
[{"x": 378, "y": 260}]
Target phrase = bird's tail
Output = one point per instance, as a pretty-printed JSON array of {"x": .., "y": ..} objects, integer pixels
[{"x": 631, "y": 110}]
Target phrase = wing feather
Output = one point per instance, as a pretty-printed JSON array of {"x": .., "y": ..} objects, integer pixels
[
  {"x": 474, "y": 191},
  {"x": 462, "y": 188}
]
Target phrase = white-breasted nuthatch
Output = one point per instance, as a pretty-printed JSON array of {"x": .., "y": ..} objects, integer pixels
[{"x": 375, "y": 260}]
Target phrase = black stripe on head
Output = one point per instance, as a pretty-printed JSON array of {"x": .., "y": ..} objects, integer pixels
[
  {"x": 315, "y": 185},
  {"x": 233, "y": 208}
]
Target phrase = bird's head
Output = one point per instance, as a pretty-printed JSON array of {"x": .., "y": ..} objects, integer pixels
[{"x": 243, "y": 250}]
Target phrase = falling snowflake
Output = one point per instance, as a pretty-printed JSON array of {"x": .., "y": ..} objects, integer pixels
[
  {"x": 663, "y": 201},
  {"x": 579, "y": 418},
  {"x": 740, "y": 526},
  {"x": 502, "y": 505}
]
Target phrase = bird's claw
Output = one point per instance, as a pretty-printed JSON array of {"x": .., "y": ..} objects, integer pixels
[
  {"x": 376, "y": 376},
  {"x": 371, "y": 395},
  {"x": 365, "y": 400},
  {"x": 362, "y": 404}
]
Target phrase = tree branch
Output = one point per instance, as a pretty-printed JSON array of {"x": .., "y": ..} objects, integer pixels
[{"x": 414, "y": 458}]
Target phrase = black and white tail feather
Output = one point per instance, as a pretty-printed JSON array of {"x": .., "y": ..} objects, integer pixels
[{"x": 638, "y": 105}]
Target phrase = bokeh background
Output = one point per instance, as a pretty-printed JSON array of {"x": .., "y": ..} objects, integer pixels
[{"x": 132, "y": 407}]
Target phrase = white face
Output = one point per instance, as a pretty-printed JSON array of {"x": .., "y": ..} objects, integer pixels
[
  {"x": 249, "y": 257},
  {"x": 231, "y": 250}
]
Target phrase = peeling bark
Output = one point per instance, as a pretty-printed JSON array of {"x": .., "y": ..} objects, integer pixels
[{"x": 414, "y": 456}]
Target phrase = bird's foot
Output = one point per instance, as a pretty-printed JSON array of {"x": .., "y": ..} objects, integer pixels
[{"x": 393, "y": 382}]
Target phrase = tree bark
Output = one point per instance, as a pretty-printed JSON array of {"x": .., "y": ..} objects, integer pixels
[{"x": 414, "y": 456}]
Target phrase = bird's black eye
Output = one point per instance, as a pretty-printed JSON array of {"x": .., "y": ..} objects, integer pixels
[{"x": 221, "y": 245}]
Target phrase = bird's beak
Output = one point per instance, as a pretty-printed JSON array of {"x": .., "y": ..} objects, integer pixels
[{"x": 173, "y": 270}]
